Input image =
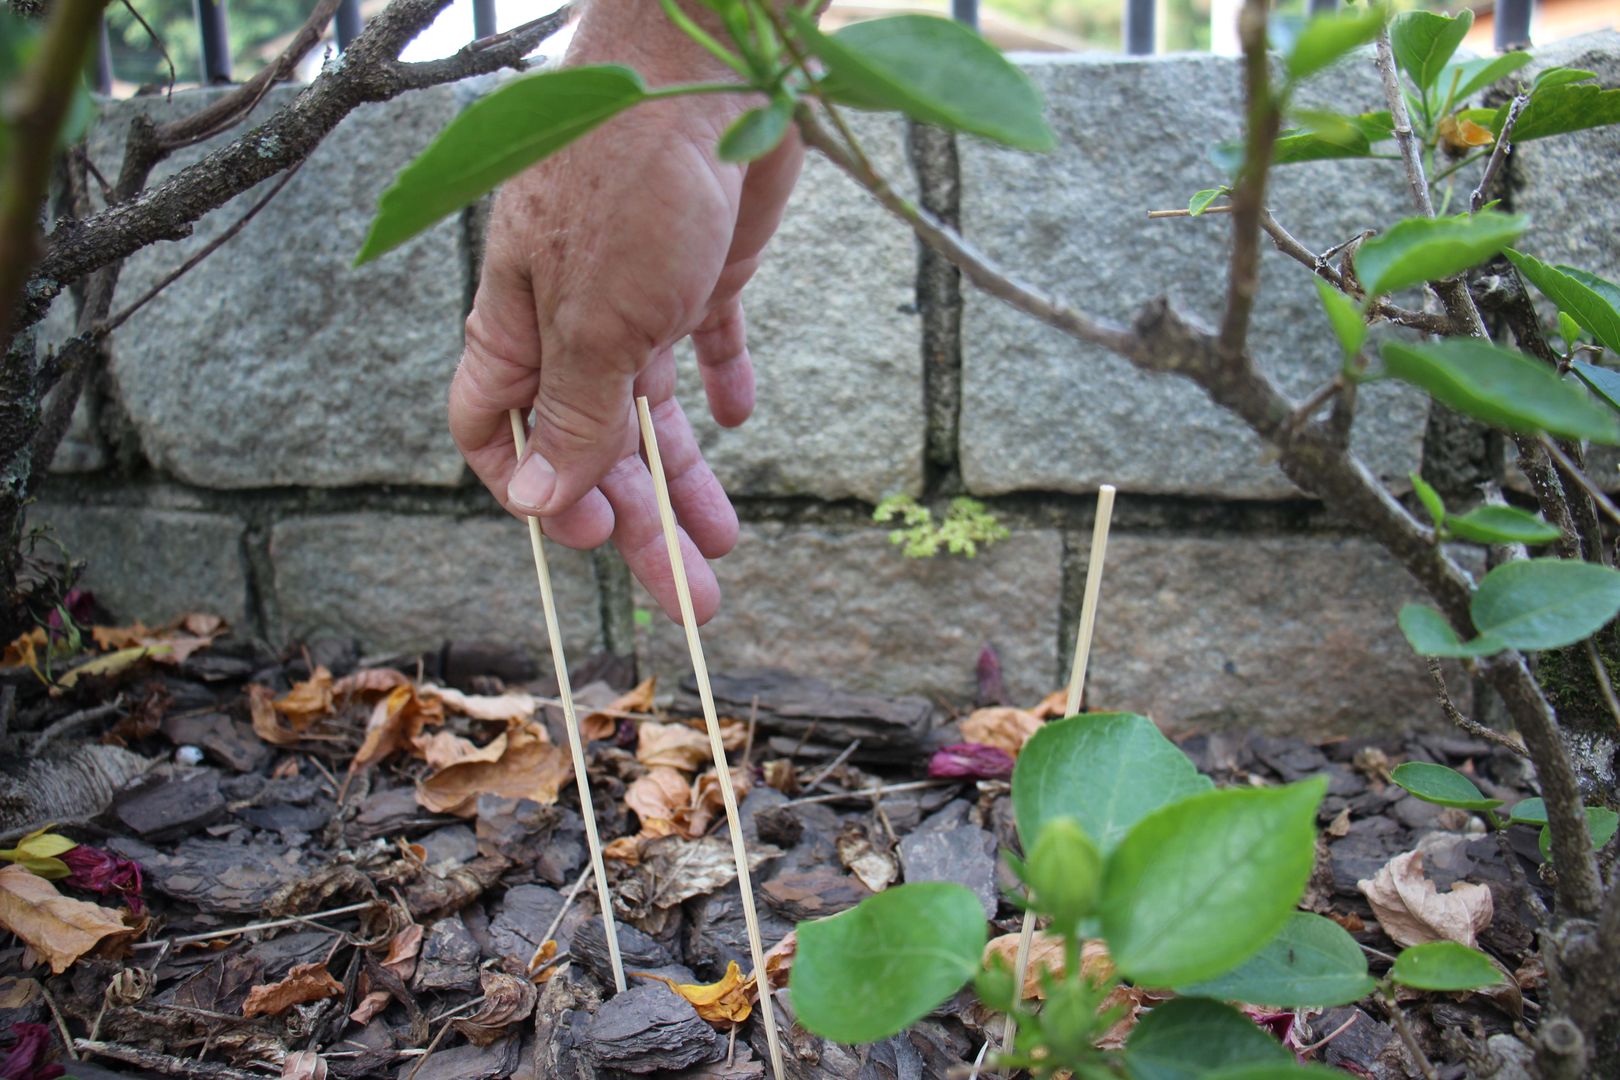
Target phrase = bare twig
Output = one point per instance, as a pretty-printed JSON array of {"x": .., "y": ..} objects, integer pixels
[
  {"x": 827, "y": 770},
  {"x": 272, "y": 924},
  {"x": 858, "y": 796},
  {"x": 1249, "y": 194},
  {"x": 1398, "y": 1016},
  {"x": 1503, "y": 148},
  {"x": 61, "y": 1024},
  {"x": 1575, "y": 472},
  {"x": 1224, "y": 208},
  {"x": 1320, "y": 266},
  {"x": 74, "y": 720},
  {"x": 1405, "y": 138},
  {"x": 1455, "y": 715},
  {"x": 166, "y": 1064}
]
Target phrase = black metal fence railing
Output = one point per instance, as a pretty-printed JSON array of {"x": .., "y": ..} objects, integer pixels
[{"x": 1140, "y": 29}]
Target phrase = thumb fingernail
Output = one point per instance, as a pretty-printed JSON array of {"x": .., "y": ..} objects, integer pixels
[{"x": 532, "y": 483}]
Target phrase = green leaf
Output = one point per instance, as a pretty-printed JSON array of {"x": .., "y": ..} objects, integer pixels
[
  {"x": 1313, "y": 963},
  {"x": 1064, "y": 874},
  {"x": 1476, "y": 75},
  {"x": 1588, "y": 299},
  {"x": 1441, "y": 786},
  {"x": 1349, "y": 325},
  {"x": 1183, "y": 1038},
  {"x": 1106, "y": 770},
  {"x": 934, "y": 70},
  {"x": 1501, "y": 387},
  {"x": 1562, "y": 76},
  {"x": 1600, "y": 826},
  {"x": 1423, "y": 42},
  {"x": 1529, "y": 812},
  {"x": 1444, "y": 965},
  {"x": 1319, "y": 140},
  {"x": 1559, "y": 109},
  {"x": 1201, "y": 200},
  {"x": 1430, "y": 634},
  {"x": 868, "y": 972},
  {"x": 1502, "y": 525},
  {"x": 757, "y": 132},
  {"x": 494, "y": 139},
  {"x": 1430, "y": 499},
  {"x": 1430, "y": 249},
  {"x": 1328, "y": 37},
  {"x": 1545, "y": 603},
  {"x": 1201, "y": 885}
]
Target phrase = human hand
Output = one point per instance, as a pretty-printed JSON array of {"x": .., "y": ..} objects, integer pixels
[{"x": 598, "y": 262}]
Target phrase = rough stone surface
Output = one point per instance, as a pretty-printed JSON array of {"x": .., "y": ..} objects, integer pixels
[
  {"x": 1042, "y": 412},
  {"x": 276, "y": 362},
  {"x": 521, "y": 917},
  {"x": 833, "y": 333},
  {"x": 1291, "y": 635},
  {"x": 965, "y": 855},
  {"x": 403, "y": 581},
  {"x": 449, "y": 957},
  {"x": 154, "y": 564},
  {"x": 646, "y": 1029},
  {"x": 844, "y": 605}
]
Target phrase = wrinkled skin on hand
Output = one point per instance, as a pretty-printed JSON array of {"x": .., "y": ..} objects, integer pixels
[{"x": 598, "y": 262}]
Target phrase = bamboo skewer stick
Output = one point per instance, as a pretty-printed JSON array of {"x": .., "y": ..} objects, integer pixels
[
  {"x": 1077, "y": 683},
  {"x": 700, "y": 668},
  {"x": 565, "y": 691}
]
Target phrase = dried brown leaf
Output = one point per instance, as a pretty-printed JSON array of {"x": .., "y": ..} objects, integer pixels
[
  {"x": 1413, "y": 911},
  {"x": 675, "y": 745},
  {"x": 304, "y": 983},
  {"x": 441, "y": 749},
  {"x": 529, "y": 768},
  {"x": 722, "y": 1003},
  {"x": 396, "y": 721},
  {"x": 875, "y": 868},
  {"x": 1053, "y": 705},
  {"x": 507, "y": 1001},
  {"x": 57, "y": 928},
  {"x": 514, "y": 707},
  {"x": 307, "y": 701},
  {"x": 602, "y": 724},
  {"x": 678, "y": 869},
  {"x": 304, "y": 1065},
  {"x": 1046, "y": 954},
  {"x": 370, "y": 1006},
  {"x": 1004, "y": 728},
  {"x": 403, "y": 950},
  {"x": 369, "y": 683},
  {"x": 658, "y": 794}
]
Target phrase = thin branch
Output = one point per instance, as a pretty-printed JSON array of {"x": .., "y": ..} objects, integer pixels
[
  {"x": 1249, "y": 195},
  {"x": 155, "y": 39},
  {"x": 1605, "y": 686},
  {"x": 1504, "y": 147},
  {"x": 1419, "y": 1058},
  {"x": 212, "y": 246},
  {"x": 1411, "y": 151},
  {"x": 1575, "y": 472},
  {"x": 1455, "y": 715},
  {"x": 1285, "y": 242},
  {"x": 1224, "y": 208}
]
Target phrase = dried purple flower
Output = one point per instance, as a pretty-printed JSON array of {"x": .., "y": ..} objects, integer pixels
[
  {"x": 103, "y": 872},
  {"x": 31, "y": 1045},
  {"x": 974, "y": 761}
]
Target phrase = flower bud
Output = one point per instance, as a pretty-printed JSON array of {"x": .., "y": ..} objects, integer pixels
[{"x": 1064, "y": 874}]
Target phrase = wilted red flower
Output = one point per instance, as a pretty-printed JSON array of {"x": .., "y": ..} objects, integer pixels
[
  {"x": 971, "y": 761},
  {"x": 25, "y": 1060},
  {"x": 103, "y": 872}
]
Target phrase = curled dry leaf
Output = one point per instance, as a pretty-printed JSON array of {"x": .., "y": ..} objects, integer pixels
[
  {"x": 57, "y": 928},
  {"x": 403, "y": 950},
  {"x": 530, "y": 767},
  {"x": 1053, "y": 705},
  {"x": 183, "y": 636},
  {"x": 1413, "y": 911},
  {"x": 397, "y": 720},
  {"x": 1460, "y": 134},
  {"x": 658, "y": 794},
  {"x": 722, "y": 1003},
  {"x": 875, "y": 868},
  {"x": 368, "y": 683},
  {"x": 1003, "y": 728},
  {"x": 307, "y": 701},
  {"x": 303, "y": 1065},
  {"x": 442, "y": 749},
  {"x": 778, "y": 965},
  {"x": 304, "y": 983},
  {"x": 513, "y": 707},
  {"x": 507, "y": 1001},
  {"x": 602, "y": 724},
  {"x": 674, "y": 745}
]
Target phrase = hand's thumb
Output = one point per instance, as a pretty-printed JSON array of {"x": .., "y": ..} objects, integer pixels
[{"x": 584, "y": 424}]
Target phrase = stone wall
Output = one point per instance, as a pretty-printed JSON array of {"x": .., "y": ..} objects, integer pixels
[{"x": 269, "y": 441}]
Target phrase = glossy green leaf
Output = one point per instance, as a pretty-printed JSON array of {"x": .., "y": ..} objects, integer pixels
[
  {"x": 1444, "y": 965},
  {"x": 1600, "y": 826},
  {"x": 1562, "y": 76},
  {"x": 1349, "y": 325},
  {"x": 1429, "y": 497},
  {"x": 1349, "y": 137},
  {"x": 1588, "y": 299},
  {"x": 1545, "y": 603},
  {"x": 1430, "y": 634},
  {"x": 1601, "y": 381},
  {"x": 1430, "y": 249},
  {"x": 1328, "y": 37},
  {"x": 1475, "y": 75},
  {"x": 1560, "y": 109},
  {"x": 868, "y": 972},
  {"x": 1424, "y": 42},
  {"x": 1201, "y": 200},
  {"x": 1201, "y": 885},
  {"x": 496, "y": 138},
  {"x": 1312, "y": 963},
  {"x": 1529, "y": 812},
  {"x": 934, "y": 70},
  {"x": 1441, "y": 786},
  {"x": 1182, "y": 1039},
  {"x": 757, "y": 132},
  {"x": 1502, "y": 525},
  {"x": 1501, "y": 387},
  {"x": 1106, "y": 770}
]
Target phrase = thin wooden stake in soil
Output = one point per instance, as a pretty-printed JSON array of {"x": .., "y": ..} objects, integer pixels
[
  {"x": 700, "y": 668},
  {"x": 1077, "y": 684},
  {"x": 565, "y": 691}
]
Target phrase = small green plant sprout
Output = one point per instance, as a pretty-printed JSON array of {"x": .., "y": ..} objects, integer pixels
[
  {"x": 967, "y": 524},
  {"x": 1447, "y": 787},
  {"x": 1189, "y": 887}
]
